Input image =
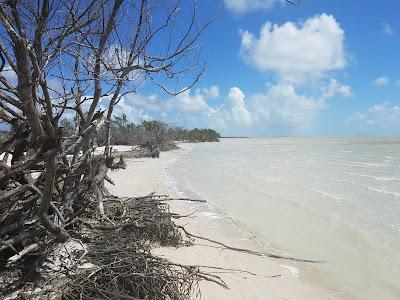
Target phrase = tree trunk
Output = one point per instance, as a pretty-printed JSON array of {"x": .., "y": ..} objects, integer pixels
[{"x": 50, "y": 175}]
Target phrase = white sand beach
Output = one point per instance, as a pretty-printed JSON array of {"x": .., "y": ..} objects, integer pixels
[{"x": 144, "y": 175}]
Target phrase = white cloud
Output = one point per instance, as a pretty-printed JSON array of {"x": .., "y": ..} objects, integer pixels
[
  {"x": 387, "y": 29},
  {"x": 398, "y": 82},
  {"x": 187, "y": 103},
  {"x": 282, "y": 108},
  {"x": 133, "y": 113},
  {"x": 209, "y": 93},
  {"x": 382, "y": 81},
  {"x": 383, "y": 115},
  {"x": 233, "y": 113},
  {"x": 149, "y": 103},
  {"x": 10, "y": 75},
  {"x": 237, "y": 106},
  {"x": 242, "y": 6},
  {"x": 297, "y": 52},
  {"x": 278, "y": 110},
  {"x": 335, "y": 88}
]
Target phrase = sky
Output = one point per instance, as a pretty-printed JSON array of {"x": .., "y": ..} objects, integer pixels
[{"x": 321, "y": 68}]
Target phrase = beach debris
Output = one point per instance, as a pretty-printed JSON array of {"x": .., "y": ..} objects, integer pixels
[
  {"x": 248, "y": 251},
  {"x": 125, "y": 267},
  {"x": 51, "y": 177},
  {"x": 107, "y": 257}
]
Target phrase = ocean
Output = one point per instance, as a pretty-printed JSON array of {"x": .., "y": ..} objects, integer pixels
[{"x": 331, "y": 199}]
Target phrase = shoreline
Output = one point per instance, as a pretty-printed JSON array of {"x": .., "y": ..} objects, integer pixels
[{"x": 263, "y": 278}]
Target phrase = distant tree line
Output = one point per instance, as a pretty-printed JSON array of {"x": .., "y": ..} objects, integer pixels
[{"x": 147, "y": 133}]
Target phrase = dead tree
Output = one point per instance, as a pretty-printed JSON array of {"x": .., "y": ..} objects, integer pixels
[
  {"x": 77, "y": 59},
  {"x": 135, "y": 60}
]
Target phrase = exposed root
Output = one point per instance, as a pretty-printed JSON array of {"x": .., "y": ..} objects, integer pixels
[
  {"x": 114, "y": 263},
  {"x": 248, "y": 251},
  {"x": 125, "y": 268},
  {"x": 230, "y": 270}
]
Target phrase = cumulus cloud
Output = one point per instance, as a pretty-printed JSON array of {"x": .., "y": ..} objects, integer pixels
[
  {"x": 242, "y": 6},
  {"x": 282, "y": 108},
  {"x": 382, "y": 81},
  {"x": 380, "y": 115},
  {"x": 237, "y": 106},
  {"x": 135, "y": 114},
  {"x": 231, "y": 114},
  {"x": 297, "y": 52},
  {"x": 335, "y": 88},
  {"x": 186, "y": 102}
]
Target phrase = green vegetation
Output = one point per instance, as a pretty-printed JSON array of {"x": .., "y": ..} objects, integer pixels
[
  {"x": 203, "y": 135},
  {"x": 154, "y": 132}
]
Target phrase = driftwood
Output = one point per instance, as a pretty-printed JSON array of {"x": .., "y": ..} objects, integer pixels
[
  {"x": 248, "y": 251},
  {"x": 125, "y": 268},
  {"x": 51, "y": 177},
  {"x": 118, "y": 248}
]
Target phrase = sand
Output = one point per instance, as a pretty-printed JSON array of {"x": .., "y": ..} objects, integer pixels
[{"x": 145, "y": 175}]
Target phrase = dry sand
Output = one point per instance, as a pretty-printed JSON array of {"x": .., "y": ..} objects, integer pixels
[{"x": 145, "y": 175}]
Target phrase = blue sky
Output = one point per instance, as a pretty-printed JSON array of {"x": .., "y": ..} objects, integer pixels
[{"x": 321, "y": 68}]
